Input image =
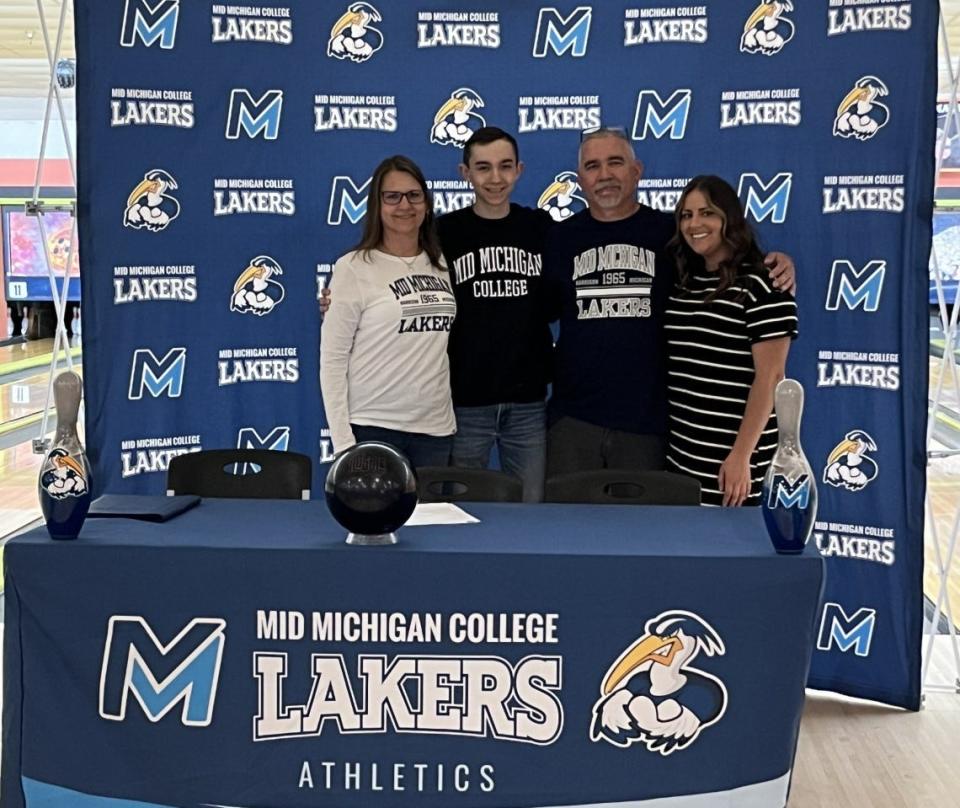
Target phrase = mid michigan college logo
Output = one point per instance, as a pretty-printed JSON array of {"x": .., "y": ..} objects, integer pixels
[
  {"x": 149, "y": 205},
  {"x": 560, "y": 198},
  {"x": 856, "y": 287},
  {"x": 850, "y": 16},
  {"x": 157, "y": 376},
  {"x": 149, "y": 283},
  {"x": 642, "y": 26},
  {"x": 653, "y": 696},
  {"x": 562, "y": 34},
  {"x": 786, "y": 494},
  {"x": 150, "y": 22},
  {"x": 254, "y": 116},
  {"x": 159, "y": 676},
  {"x": 767, "y": 29},
  {"x": 455, "y": 121},
  {"x": 458, "y": 29},
  {"x": 347, "y": 200},
  {"x": 268, "y": 24},
  {"x": 63, "y": 475},
  {"x": 255, "y": 291},
  {"x": 849, "y": 465},
  {"x": 353, "y": 36},
  {"x": 860, "y": 115},
  {"x": 277, "y": 439},
  {"x": 658, "y": 117},
  {"x": 478, "y": 696},
  {"x": 846, "y": 632},
  {"x": 766, "y": 199}
]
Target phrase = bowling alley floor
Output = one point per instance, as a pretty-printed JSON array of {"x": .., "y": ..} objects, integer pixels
[{"x": 851, "y": 754}]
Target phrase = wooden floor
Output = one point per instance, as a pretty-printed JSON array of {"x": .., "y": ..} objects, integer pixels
[
  {"x": 855, "y": 754},
  {"x": 943, "y": 517}
]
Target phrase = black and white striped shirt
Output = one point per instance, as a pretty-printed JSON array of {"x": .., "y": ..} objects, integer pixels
[{"x": 710, "y": 371}]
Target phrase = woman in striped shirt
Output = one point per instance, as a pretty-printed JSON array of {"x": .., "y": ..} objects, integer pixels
[{"x": 728, "y": 334}]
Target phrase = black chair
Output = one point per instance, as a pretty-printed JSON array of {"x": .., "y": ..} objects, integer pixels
[
  {"x": 452, "y": 484},
  {"x": 623, "y": 487},
  {"x": 214, "y": 473}
]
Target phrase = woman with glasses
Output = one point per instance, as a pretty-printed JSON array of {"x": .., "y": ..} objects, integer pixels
[
  {"x": 728, "y": 333},
  {"x": 384, "y": 371}
]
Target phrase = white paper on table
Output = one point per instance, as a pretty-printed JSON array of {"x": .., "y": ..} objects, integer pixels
[{"x": 439, "y": 513}]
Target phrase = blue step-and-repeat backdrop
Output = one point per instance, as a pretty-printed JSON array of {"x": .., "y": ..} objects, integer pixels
[{"x": 225, "y": 153}]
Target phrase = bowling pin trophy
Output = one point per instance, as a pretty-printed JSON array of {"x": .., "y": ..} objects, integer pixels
[
  {"x": 789, "y": 488},
  {"x": 64, "y": 485}
]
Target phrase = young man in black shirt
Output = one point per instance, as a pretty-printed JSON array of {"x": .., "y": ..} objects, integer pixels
[{"x": 500, "y": 343}]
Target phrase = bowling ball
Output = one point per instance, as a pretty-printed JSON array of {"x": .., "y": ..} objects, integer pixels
[{"x": 371, "y": 488}]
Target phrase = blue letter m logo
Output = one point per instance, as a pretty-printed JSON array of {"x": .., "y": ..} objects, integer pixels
[
  {"x": 155, "y": 374},
  {"x": 788, "y": 494},
  {"x": 248, "y": 438},
  {"x": 150, "y": 22},
  {"x": 346, "y": 199},
  {"x": 254, "y": 117},
  {"x": 762, "y": 199},
  {"x": 846, "y": 632},
  {"x": 159, "y": 676},
  {"x": 658, "y": 117},
  {"x": 855, "y": 286},
  {"x": 561, "y": 34},
  {"x": 278, "y": 439}
]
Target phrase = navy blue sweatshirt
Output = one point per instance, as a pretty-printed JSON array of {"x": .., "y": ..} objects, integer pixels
[{"x": 608, "y": 284}]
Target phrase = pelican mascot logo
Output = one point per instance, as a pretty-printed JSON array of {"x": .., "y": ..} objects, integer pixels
[
  {"x": 456, "y": 121},
  {"x": 353, "y": 37},
  {"x": 848, "y": 466},
  {"x": 560, "y": 198},
  {"x": 652, "y": 696},
  {"x": 149, "y": 205},
  {"x": 860, "y": 115},
  {"x": 254, "y": 292},
  {"x": 64, "y": 475},
  {"x": 767, "y": 30}
]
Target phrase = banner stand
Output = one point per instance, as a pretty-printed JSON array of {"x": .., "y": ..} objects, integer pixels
[
  {"x": 948, "y": 367},
  {"x": 35, "y": 208}
]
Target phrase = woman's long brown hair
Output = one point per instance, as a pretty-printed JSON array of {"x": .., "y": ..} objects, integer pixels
[
  {"x": 372, "y": 238},
  {"x": 736, "y": 232}
]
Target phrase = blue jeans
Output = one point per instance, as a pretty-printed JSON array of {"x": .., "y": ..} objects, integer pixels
[
  {"x": 421, "y": 450},
  {"x": 519, "y": 431}
]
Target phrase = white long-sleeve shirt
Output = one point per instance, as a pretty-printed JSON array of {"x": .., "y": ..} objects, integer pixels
[{"x": 383, "y": 347}]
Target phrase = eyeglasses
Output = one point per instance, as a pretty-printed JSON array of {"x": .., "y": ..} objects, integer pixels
[
  {"x": 415, "y": 197},
  {"x": 602, "y": 131}
]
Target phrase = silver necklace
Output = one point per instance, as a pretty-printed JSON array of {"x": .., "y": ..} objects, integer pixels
[{"x": 407, "y": 262}]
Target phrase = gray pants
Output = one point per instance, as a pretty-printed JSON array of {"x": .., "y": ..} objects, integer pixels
[{"x": 574, "y": 445}]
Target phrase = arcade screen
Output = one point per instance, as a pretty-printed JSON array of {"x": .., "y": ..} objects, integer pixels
[
  {"x": 946, "y": 249},
  {"x": 25, "y": 267}
]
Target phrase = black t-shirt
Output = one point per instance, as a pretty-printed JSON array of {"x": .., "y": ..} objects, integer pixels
[
  {"x": 608, "y": 283},
  {"x": 500, "y": 343}
]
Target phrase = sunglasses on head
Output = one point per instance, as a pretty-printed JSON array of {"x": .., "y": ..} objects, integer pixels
[{"x": 597, "y": 131}]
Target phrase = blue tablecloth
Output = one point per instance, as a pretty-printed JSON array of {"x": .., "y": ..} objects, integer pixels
[{"x": 242, "y": 655}]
